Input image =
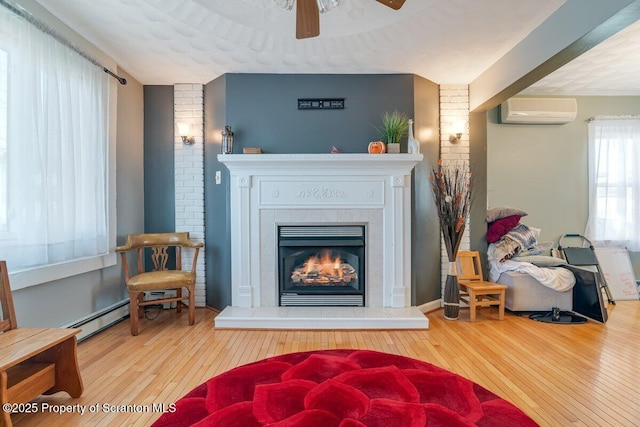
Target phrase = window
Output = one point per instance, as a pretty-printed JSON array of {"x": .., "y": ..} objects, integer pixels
[
  {"x": 614, "y": 181},
  {"x": 4, "y": 77},
  {"x": 54, "y": 155}
]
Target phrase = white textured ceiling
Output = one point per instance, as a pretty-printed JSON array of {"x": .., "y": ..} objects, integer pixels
[
  {"x": 175, "y": 41},
  {"x": 446, "y": 41},
  {"x": 610, "y": 68}
]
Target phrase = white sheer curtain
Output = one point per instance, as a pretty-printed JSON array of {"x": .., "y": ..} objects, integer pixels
[
  {"x": 614, "y": 182},
  {"x": 57, "y": 140}
]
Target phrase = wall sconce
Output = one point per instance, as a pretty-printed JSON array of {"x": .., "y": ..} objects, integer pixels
[
  {"x": 458, "y": 128},
  {"x": 184, "y": 130}
]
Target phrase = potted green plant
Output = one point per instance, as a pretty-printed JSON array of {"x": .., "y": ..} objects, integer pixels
[{"x": 395, "y": 126}]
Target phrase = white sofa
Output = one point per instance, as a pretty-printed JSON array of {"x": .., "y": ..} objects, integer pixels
[{"x": 524, "y": 293}]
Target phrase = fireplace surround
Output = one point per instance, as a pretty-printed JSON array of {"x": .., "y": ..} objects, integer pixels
[{"x": 269, "y": 191}]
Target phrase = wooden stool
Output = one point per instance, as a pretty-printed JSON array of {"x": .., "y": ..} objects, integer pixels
[{"x": 474, "y": 290}]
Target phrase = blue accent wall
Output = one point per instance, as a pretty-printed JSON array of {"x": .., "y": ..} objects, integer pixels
[
  {"x": 216, "y": 198},
  {"x": 262, "y": 109},
  {"x": 425, "y": 251},
  {"x": 159, "y": 179}
]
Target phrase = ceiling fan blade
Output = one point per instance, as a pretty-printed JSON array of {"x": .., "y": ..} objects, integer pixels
[
  {"x": 307, "y": 19},
  {"x": 393, "y": 4}
]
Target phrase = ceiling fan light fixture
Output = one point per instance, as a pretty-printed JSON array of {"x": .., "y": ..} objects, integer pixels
[
  {"x": 308, "y": 13},
  {"x": 323, "y": 5},
  {"x": 285, "y": 4},
  {"x": 327, "y": 5}
]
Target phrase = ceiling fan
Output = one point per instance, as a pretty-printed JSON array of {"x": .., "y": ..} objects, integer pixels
[{"x": 308, "y": 14}]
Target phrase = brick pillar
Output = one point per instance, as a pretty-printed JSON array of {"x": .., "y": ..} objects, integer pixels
[
  {"x": 454, "y": 107},
  {"x": 189, "y": 176}
]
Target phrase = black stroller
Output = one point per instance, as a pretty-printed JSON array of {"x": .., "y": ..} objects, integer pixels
[{"x": 584, "y": 255}]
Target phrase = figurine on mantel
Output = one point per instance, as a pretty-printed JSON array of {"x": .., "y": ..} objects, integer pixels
[
  {"x": 377, "y": 147},
  {"x": 413, "y": 146}
]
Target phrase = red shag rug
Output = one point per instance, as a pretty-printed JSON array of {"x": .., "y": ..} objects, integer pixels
[{"x": 342, "y": 388}]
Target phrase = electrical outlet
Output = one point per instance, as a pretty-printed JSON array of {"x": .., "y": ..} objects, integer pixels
[{"x": 218, "y": 177}]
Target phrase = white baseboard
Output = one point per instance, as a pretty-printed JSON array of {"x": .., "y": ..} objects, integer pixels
[
  {"x": 430, "y": 306},
  {"x": 100, "y": 320}
]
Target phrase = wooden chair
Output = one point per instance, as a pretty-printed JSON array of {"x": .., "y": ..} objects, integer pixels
[
  {"x": 474, "y": 290},
  {"x": 33, "y": 361},
  {"x": 161, "y": 278}
]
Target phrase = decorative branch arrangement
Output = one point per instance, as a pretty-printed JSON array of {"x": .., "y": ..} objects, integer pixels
[{"x": 451, "y": 185}]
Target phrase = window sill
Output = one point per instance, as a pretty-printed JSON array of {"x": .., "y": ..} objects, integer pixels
[{"x": 36, "y": 276}]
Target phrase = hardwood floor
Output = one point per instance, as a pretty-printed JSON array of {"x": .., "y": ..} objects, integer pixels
[{"x": 560, "y": 375}]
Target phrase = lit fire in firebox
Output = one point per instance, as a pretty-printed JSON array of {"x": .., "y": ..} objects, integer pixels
[{"x": 324, "y": 269}]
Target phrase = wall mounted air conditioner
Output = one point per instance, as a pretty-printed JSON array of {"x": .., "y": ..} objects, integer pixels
[{"x": 539, "y": 111}]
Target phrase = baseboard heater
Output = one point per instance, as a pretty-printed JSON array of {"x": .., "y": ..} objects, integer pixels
[{"x": 101, "y": 320}]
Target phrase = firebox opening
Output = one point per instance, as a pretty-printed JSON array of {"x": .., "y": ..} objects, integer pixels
[{"x": 321, "y": 265}]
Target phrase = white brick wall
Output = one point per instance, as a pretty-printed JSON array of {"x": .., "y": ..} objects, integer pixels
[
  {"x": 189, "y": 176},
  {"x": 454, "y": 107}
]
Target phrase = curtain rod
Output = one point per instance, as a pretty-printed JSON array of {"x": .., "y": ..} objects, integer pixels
[{"x": 25, "y": 14}]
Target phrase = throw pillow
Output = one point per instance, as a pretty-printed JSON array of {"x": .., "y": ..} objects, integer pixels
[
  {"x": 525, "y": 237},
  {"x": 502, "y": 212},
  {"x": 500, "y": 227}
]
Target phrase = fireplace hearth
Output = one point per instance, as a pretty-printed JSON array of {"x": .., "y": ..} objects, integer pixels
[{"x": 321, "y": 265}]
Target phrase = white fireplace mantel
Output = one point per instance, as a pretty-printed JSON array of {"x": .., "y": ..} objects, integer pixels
[
  {"x": 268, "y": 190},
  {"x": 278, "y": 162}
]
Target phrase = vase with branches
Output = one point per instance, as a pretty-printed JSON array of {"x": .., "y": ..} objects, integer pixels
[{"x": 451, "y": 186}]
